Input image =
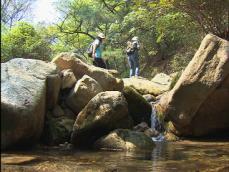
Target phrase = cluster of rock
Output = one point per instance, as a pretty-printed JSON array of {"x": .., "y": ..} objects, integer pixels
[{"x": 67, "y": 100}]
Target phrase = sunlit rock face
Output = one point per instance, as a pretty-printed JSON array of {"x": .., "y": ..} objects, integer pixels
[
  {"x": 105, "y": 112},
  {"x": 85, "y": 89},
  {"x": 104, "y": 77},
  {"x": 68, "y": 79},
  {"x": 25, "y": 85},
  {"x": 198, "y": 103}
]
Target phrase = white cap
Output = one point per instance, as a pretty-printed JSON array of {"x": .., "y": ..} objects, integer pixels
[
  {"x": 101, "y": 35},
  {"x": 135, "y": 38}
]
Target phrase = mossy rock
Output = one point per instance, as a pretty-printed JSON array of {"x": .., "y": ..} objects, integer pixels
[
  {"x": 139, "y": 108},
  {"x": 171, "y": 137},
  {"x": 175, "y": 79},
  {"x": 57, "y": 130},
  {"x": 170, "y": 133}
]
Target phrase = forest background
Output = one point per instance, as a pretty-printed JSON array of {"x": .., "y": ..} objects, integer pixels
[{"x": 170, "y": 31}]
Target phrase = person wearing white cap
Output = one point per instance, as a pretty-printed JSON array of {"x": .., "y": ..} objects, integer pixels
[
  {"x": 133, "y": 56},
  {"x": 97, "y": 51}
]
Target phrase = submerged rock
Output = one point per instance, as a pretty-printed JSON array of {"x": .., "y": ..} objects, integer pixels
[
  {"x": 125, "y": 140},
  {"x": 18, "y": 160}
]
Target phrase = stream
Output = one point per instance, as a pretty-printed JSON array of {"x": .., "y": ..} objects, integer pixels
[
  {"x": 167, "y": 156},
  {"x": 210, "y": 155}
]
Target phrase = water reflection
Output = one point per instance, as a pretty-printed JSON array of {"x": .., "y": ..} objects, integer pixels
[{"x": 179, "y": 156}]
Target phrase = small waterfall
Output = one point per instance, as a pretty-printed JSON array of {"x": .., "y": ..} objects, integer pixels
[{"x": 156, "y": 125}]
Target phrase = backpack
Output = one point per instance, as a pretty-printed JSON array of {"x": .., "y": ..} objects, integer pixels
[{"x": 89, "y": 50}]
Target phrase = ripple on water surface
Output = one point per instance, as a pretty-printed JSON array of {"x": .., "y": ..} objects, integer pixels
[{"x": 173, "y": 156}]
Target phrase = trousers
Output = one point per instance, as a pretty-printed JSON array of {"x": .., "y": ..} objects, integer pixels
[
  {"x": 99, "y": 62},
  {"x": 134, "y": 65}
]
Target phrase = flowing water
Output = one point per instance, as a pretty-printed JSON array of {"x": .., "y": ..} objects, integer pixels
[
  {"x": 180, "y": 156},
  {"x": 156, "y": 125},
  {"x": 166, "y": 157}
]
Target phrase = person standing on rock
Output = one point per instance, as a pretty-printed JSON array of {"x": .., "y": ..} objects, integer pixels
[
  {"x": 132, "y": 49},
  {"x": 97, "y": 51}
]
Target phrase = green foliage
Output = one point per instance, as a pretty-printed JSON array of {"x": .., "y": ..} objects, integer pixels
[
  {"x": 175, "y": 79},
  {"x": 23, "y": 41},
  {"x": 211, "y": 15},
  {"x": 169, "y": 32},
  {"x": 180, "y": 60},
  {"x": 117, "y": 60},
  {"x": 163, "y": 31}
]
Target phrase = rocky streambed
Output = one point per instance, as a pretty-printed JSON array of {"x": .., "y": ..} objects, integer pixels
[{"x": 86, "y": 117}]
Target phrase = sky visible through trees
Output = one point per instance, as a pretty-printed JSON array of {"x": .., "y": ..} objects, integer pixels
[{"x": 169, "y": 31}]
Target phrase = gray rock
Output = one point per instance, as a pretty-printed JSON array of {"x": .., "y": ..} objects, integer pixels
[
  {"x": 23, "y": 100},
  {"x": 139, "y": 108},
  {"x": 57, "y": 130},
  {"x": 105, "y": 112},
  {"x": 52, "y": 91},
  {"x": 149, "y": 98},
  {"x": 141, "y": 127},
  {"x": 163, "y": 80},
  {"x": 198, "y": 103},
  {"x": 57, "y": 111},
  {"x": 68, "y": 79},
  {"x": 125, "y": 140},
  {"x": 144, "y": 86},
  {"x": 85, "y": 89},
  {"x": 104, "y": 77}
]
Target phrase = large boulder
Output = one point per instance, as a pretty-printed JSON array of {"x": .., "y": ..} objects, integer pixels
[
  {"x": 215, "y": 111},
  {"x": 144, "y": 86},
  {"x": 198, "y": 103},
  {"x": 23, "y": 100},
  {"x": 85, "y": 89},
  {"x": 139, "y": 108},
  {"x": 125, "y": 140},
  {"x": 79, "y": 68},
  {"x": 104, "y": 113}
]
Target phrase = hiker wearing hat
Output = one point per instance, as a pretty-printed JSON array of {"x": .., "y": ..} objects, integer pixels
[
  {"x": 97, "y": 51},
  {"x": 133, "y": 57}
]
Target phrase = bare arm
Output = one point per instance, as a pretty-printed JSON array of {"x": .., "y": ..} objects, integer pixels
[
  {"x": 93, "y": 50},
  {"x": 95, "y": 45}
]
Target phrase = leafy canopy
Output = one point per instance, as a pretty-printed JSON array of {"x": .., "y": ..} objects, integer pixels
[{"x": 23, "y": 41}]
